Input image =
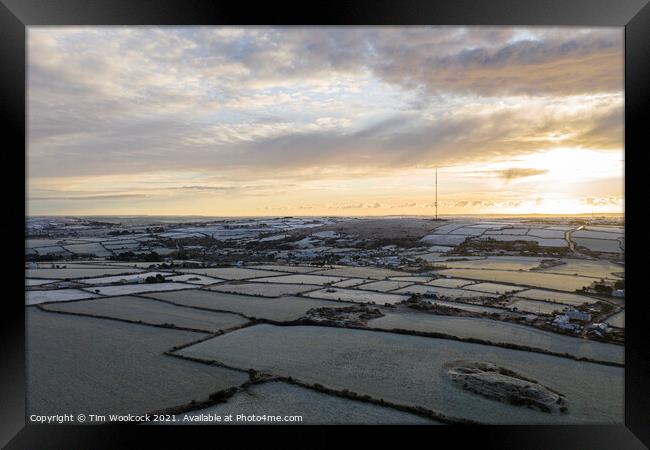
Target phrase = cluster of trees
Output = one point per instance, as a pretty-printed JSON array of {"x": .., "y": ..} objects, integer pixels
[
  {"x": 158, "y": 278},
  {"x": 130, "y": 256}
]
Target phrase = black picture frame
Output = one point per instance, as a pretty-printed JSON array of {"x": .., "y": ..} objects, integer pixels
[{"x": 16, "y": 15}]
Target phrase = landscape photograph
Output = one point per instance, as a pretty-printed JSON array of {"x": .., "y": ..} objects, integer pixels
[{"x": 413, "y": 225}]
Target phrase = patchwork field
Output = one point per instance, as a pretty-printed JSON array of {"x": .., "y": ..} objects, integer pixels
[
  {"x": 264, "y": 289},
  {"x": 288, "y": 268},
  {"x": 231, "y": 273},
  {"x": 132, "y": 278},
  {"x": 280, "y": 309},
  {"x": 493, "y": 288},
  {"x": 537, "y": 279},
  {"x": 38, "y": 281},
  {"x": 194, "y": 279},
  {"x": 537, "y": 307},
  {"x": 449, "y": 283},
  {"x": 360, "y": 272},
  {"x": 152, "y": 312},
  {"x": 82, "y": 364},
  {"x": 356, "y": 296},
  {"x": 128, "y": 289},
  {"x": 62, "y": 274},
  {"x": 329, "y": 306},
  {"x": 557, "y": 297},
  {"x": 411, "y": 370},
  {"x": 442, "y": 292},
  {"x": 501, "y": 332},
  {"x": 56, "y": 295},
  {"x": 588, "y": 268},
  {"x": 316, "y": 408},
  {"x": 300, "y": 279},
  {"x": 599, "y": 245},
  {"x": 350, "y": 282},
  {"x": 496, "y": 263},
  {"x": 384, "y": 286}
]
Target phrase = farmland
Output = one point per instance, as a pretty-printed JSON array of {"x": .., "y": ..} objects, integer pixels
[{"x": 340, "y": 320}]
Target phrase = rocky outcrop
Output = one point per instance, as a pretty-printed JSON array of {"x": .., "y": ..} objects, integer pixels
[{"x": 498, "y": 383}]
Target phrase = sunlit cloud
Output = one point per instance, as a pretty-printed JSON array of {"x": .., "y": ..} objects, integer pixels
[{"x": 209, "y": 120}]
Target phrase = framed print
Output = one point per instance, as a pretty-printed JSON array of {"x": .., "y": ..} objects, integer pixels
[{"x": 362, "y": 223}]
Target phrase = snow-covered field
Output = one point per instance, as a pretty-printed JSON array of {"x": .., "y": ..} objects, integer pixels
[
  {"x": 449, "y": 282},
  {"x": 194, "y": 279},
  {"x": 349, "y": 282},
  {"x": 38, "y": 281},
  {"x": 599, "y": 245},
  {"x": 384, "y": 286},
  {"x": 523, "y": 278},
  {"x": 231, "y": 273},
  {"x": 132, "y": 278},
  {"x": 442, "y": 292},
  {"x": 264, "y": 289},
  {"x": 493, "y": 288},
  {"x": 360, "y": 272},
  {"x": 56, "y": 295},
  {"x": 356, "y": 296},
  {"x": 537, "y": 307},
  {"x": 557, "y": 297},
  {"x": 128, "y": 289},
  {"x": 300, "y": 279}
]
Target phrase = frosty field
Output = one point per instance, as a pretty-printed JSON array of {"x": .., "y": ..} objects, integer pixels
[
  {"x": 557, "y": 297},
  {"x": 194, "y": 279},
  {"x": 38, "y": 281},
  {"x": 127, "y": 289},
  {"x": 350, "y": 282},
  {"x": 152, "y": 312},
  {"x": 501, "y": 332},
  {"x": 599, "y": 245},
  {"x": 78, "y": 273},
  {"x": 82, "y": 364},
  {"x": 316, "y": 408},
  {"x": 442, "y": 291},
  {"x": 537, "y": 279},
  {"x": 360, "y": 272},
  {"x": 300, "y": 279},
  {"x": 537, "y": 307},
  {"x": 131, "y": 278},
  {"x": 56, "y": 295},
  {"x": 357, "y": 296},
  {"x": 384, "y": 286},
  {"x": 231, "y": 273},
  {"x": 496, "y": 263},
  {"x": 263, "y": 289},
  {"x": 493, "y": 288},
  {"x": 280, "y": 309},
  {"x": 287, "y": 268},
  {"x": 410, "y": 370},
  {"x": 587, "y": 268},
  {"x": 449, "y": 283}
]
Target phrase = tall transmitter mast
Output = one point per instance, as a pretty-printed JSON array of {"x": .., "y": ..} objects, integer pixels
[{"x": 436, "y": 202}]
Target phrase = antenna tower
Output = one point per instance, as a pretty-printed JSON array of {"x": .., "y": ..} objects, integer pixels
[{"x": 436, "y": 202}]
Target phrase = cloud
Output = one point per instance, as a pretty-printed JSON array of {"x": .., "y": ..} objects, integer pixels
[
  {"x": 600, "y": 201},
  {"x": 515, "y": 173},
  {"x": 256, "y": 106},
  {"x": 90, "y": 197}
]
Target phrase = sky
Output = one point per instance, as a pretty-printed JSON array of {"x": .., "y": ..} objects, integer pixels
[{"x": 337, "y": 121}]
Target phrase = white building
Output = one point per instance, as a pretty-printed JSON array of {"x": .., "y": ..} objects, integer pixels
[{"x": 562, "y": 322}]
